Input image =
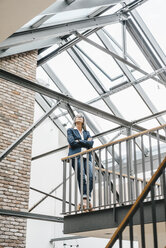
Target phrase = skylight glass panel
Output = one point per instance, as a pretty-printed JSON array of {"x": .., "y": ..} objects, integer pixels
[
  {"x": 49, "y": 50},
  {"x": 43, "y": 79},
  {"x": 115, "y": 30},
  {"x": 70, "y": 16},
  {"x": 71, "y": 76},
  {"x": 130, "y": 104},
  {"x": 113, "y": 9},
  {"x": 102, "y": 105},
  {"x": 105, "y": 79},
  {"x": 156, "y": 93},
  {"x": 150, "y": 124},
  {"x": 156, "y": 20},
  {"x": 101, "y": 124},
  {"x": 105, "y": 61},
  {"x": 134, "y": 50}
]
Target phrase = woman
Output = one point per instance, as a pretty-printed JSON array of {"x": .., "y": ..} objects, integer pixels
[{"x": 79, "y": 140}]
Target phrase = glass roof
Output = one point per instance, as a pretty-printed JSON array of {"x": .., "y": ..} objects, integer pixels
[{"x": 87, "y": 73}]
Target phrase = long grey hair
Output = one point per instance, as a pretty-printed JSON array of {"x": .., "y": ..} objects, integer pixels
[{"x": 79, "y": 115}]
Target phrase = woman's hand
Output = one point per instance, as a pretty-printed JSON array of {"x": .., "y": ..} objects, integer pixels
[{"x": 89, "y": 139}]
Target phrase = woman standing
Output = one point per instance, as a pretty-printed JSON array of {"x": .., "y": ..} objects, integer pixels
[{"x": 79, "y": 140}]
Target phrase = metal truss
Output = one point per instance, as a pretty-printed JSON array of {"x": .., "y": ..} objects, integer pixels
[
  {"x": 117, "y": 57},
  {"x": 26, "y": 215},
  {"x": 97, "y": 85},
  {"x": 45, "y": 197},
  {"x": 49, "y": 195},
  {"x": 128, "y": 74},
  {"x": 92, "y": 78},
  {"x": 66, "y": 99},
  {"x": 69, "y": 44},
  {"x": 63, "y": 47},
  {"x": 95, "y": 82},
  {"x": 26, "y": 133},
  {"x": 126, "y": 84},
  {"x": 98, "y": 67}
]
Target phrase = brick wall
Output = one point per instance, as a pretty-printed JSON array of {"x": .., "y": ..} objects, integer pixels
[{"x": 16, "y": 115}]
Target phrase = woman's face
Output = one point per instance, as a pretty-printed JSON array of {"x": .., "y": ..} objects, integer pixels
[{"x": 79, "y": 120}]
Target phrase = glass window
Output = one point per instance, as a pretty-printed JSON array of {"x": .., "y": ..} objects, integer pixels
[
  {"x": 71, "y": 76},
  {"x": 156, "y": 93},
  {"x": 130, "y": 104},
  {"x": 153, "y": 14}
]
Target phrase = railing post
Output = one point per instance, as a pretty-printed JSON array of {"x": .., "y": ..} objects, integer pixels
[
  {"x": 87, "y": 173},
  {"x": 94, "y": 186},
  {"x": 135, "y": 167},
  {"x": 106, "y": 165},
  {"x": 81, "y": 164},
  {"x": 120, "y": 178},
  {"x": 64, "y": 187},
  {"x": 128, "y": 165},
  {"x": 114, "y": 177},
  {"x": 76, "y": 184},
  {"x": 99, "y": 178},
  {"x": 70, "y": 184},
  {"x": 159, "y": 159},
  {"x": 143, "y": 161}
]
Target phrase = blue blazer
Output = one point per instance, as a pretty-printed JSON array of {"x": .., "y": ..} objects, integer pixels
[{"x": 76, "y": 143}]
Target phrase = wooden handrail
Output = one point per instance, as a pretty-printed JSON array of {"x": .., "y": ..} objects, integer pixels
[
  {"x": 135, "y": 206},
  {"x": 124, "y": 175},
  {"x": 114, "y": 142}
]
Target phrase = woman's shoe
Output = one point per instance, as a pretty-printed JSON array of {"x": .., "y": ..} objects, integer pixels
[
  {"x": 79, "y": 207},
  {"x": 84, "y": 207},
  {"x": 90, "y": 207}
]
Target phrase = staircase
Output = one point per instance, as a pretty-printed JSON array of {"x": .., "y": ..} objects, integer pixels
[{"x": 138, "y": 205}]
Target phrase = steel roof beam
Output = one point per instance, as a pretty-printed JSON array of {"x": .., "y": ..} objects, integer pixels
[
  {"x": 25, "y": 35},
  {"x": 27, "y": 215},
  {"x": 145, "y": 49},
  {"x": 36, "y": 44},
  {"x": 66, "y": 99},
  {"x": 149, "y": 36}
]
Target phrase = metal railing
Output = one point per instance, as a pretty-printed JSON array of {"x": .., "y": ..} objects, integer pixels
[
  {"x": 138, "y": 205},
  {"x": 119, "y": 175}
]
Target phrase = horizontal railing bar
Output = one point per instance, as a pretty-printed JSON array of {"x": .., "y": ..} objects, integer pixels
[
  {"x": 124, "y": 175},
  {"x": 112, "y": 205},
  {"x": 115, "y": 142}
]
